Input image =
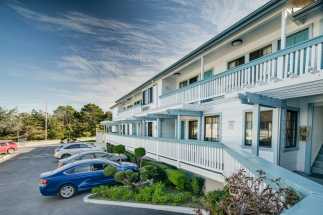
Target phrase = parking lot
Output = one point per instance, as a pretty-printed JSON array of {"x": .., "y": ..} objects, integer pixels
[{"x": 19, "y": 193}]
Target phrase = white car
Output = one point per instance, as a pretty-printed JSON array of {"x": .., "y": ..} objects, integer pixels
[
  {"x": 92, "y": 155},
  {"x": 66, "y": 150}
]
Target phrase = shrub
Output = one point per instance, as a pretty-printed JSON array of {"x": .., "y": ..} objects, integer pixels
[
  {"x": 197, "y": 184},
  {"x": 160, "y": 195},
  {"x": 182, "y": 197},
  {"x": 151, "y": 172},
  {"x": 211, "y": 201},
  {"x": 128, "y": 178},
  {"x": 145, "y": 194},
  {"x": 119, "y": 149},
  {"x": 110, "y": 170},
  {"x": 130, "y": 157},
  {"x": 178, "y": 178},
  {"x": 121, "y": 193},
  {"x": 139, "y": 154},
  {"x": 110, "y": 148},
  {"x": 250, "y": 194}
]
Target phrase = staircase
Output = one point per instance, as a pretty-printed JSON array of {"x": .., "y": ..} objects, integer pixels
[{"x": 318, "y": 164}]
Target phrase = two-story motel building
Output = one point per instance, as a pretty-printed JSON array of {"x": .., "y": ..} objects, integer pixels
[{"x": 255, "y": 90}]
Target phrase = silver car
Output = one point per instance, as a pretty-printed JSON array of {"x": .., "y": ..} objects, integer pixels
[{"x": 92, "y": 155}]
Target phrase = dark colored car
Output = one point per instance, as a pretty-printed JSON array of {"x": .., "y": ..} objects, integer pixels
[{"x": 79, "y": 176}]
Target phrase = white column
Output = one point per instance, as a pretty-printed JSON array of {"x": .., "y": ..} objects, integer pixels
[
  {"x": 283, "y": 29},
  {"x": 281, "y": 135},
  {"x": 178, "y": 137},
  {"x": 256, "y": 129},
  {"x": 201, "y": 126},
  {"x": 158, "y": 127},
  {"x": 202, "y": 68}
]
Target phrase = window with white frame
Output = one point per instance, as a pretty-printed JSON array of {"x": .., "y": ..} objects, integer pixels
[
  {"x": 212, "y": 128},
  {"x": 291, "y": 129},
  {"x": 248, "y": 128}
]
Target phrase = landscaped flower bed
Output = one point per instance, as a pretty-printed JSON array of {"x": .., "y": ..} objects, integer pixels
[{"x": 161, "y": 184}]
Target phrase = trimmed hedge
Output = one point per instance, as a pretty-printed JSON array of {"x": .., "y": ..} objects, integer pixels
[{"x": 178, "y": 178}]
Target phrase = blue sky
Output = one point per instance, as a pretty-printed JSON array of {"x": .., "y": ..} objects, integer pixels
[{"x": 80, "y": 51}]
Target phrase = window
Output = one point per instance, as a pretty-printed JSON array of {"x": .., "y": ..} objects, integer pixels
[
  {"x": 208, "y": 74},
  {"x": 100, "y": 154},
  {"x": 291, "y": 129},
  {"x": 193, "y": 80},
  {"x": 97, "y": 167},
  {"x": 295, "y": 38},
  {"x": 188, "y": 82},
  {"x": 80, "y": 169},
  {"x": 248, "y": 128},
  {"x": 3, "y": 144},
  {"x": 183, "y": 84},
  {"x": 265, "y": 133},
  {"x": 212, "y": 128},
  {"x": 137, "y": 103},
  {"x": 84, "y": 146},
  {"x": 260, "y": 52},
  {"x": 147, "y": 96},
  {"x": 192, "y": 129},
  {"x": 149, "y": 129},
  {"x": 236, "y": 62},
  {"x": 88, "y": 156},
  {"x": 74, "y": 146}
]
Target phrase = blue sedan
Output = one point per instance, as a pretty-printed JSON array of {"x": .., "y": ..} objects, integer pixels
[{"x": 79, "y": 176}]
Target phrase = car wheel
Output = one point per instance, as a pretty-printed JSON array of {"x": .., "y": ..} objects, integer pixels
[
  {"x": 67, "y": 191},
  {"x": 65, "y": 156},
  {"x": 11, "y": 151}
]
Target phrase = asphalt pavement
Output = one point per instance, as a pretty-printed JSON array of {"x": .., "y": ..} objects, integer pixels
[{"x": 19, "y": 193}]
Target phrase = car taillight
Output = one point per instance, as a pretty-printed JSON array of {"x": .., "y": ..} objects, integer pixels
[{"x": 43, "y": 182}]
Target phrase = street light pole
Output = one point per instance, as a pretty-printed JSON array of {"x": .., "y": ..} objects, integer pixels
[{"x": 46, "y": 119}]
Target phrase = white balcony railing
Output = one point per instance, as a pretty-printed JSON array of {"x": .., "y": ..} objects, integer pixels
[
  {"x": 212, "y": 157},
  {"x": 128, "y": 113},
  {"x": 291, "y": 62}
]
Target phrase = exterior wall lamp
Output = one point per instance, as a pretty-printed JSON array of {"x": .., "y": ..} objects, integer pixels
[{"x": 237, "y": 42}]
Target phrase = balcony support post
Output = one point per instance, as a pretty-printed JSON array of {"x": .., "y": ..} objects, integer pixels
[
  {"x": 308, "y": 147},
  {"x": 283, "y": 29},
  {"x": 178, "y": 131},
  {"x": 256, "y": 129},
  {"x": 281, "y": 134}
]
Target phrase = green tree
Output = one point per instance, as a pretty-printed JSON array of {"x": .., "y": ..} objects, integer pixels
[
  {"x": 66, "y": 115},
  {"x": 90, "y": 116}
]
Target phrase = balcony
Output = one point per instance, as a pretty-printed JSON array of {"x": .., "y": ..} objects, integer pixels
[
  {"x": 294, "y": 62},
  {"x": 128, "y": 113},
  {"x": 217, "y": 161}
]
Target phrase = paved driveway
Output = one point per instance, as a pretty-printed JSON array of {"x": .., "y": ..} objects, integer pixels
[{"x": 19, "y": 190}]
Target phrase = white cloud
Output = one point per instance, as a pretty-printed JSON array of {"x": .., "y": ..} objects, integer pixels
[{"x": 118, "y": 56}]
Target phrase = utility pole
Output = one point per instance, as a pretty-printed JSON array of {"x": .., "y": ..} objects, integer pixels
[{"x": 46, "y": 119}]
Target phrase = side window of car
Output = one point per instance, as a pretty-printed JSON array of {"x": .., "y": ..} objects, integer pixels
[
  {"x": 97, "y": 167},
  {"x": 84, "y": 146},
  {"x": 100, "y": 155},
  {"x": 3, "y": 144},
  {"x": 75, "y": 146},
  {"x": 80, "y": 169},
  {"x": 88, "y": 156}
]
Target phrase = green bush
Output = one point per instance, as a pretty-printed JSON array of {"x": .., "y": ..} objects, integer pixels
[
  {"x": 130, "y": 157},
  {"x": 212, "y": 200},
  {"x": 110, "y": 170},
  {"x": 119, "y": 149},
  {"x": 110, "y": 148},
  {"x": 178, "y": 178},
  {"x": 139, "y": 154},
  {"x": 151, "y": 172},
  {"x": 114, "y": 193},
  {"x": 145, "y": 194},
  {"x": 127, "y": 177},
  {"x": 182, "y": 197},
  {"x": 197, "y": 184},
  {"x": 160, "y": 195}
]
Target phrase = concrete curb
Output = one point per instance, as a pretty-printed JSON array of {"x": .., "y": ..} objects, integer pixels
[
  {"x": 7, "y": 157},
  {"x": 177, "y": 209}
]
